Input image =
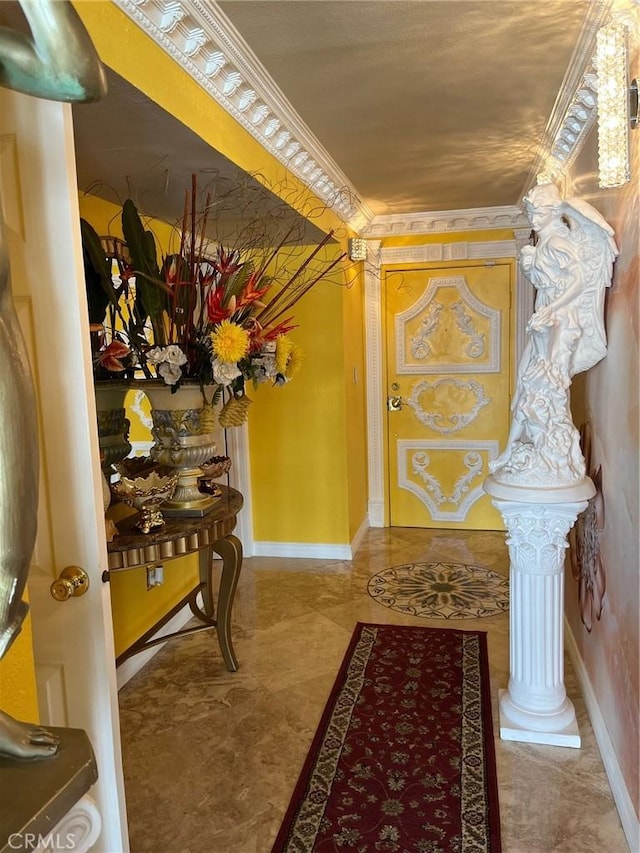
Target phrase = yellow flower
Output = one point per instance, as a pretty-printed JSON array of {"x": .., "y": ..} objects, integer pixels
[
  {"x": 294, "y": 363},
  {"x": 284, "y": 345},
  {"x": 230, "y": 342}
]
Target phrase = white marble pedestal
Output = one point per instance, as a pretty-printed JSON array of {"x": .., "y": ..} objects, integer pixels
[{"x": 535, "y": 707}]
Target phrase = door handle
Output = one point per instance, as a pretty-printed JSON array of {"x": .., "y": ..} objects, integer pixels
[
  {"x": 394, "y": 404},
  {"x": 73, "y": 581}
]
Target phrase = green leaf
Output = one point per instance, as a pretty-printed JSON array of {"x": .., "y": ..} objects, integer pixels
[
  {"x": 97, "y": 274},
  {"x": 151, "y": 300},
  {"x": 236, "y": 282}
]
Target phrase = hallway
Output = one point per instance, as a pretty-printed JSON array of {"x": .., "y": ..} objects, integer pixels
[{"x": 211, "y": 757}]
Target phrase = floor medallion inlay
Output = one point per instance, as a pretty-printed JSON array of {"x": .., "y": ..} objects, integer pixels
[{"x": 441, "y": 590}]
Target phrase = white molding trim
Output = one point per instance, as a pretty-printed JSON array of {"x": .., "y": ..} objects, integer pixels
[
  {"x": 374, "y": 376},
  {"x": 361, "y": 532},
  {"x": 464, "y": 496},
  {"x": 78, "y": 830},
  {"x": 240, "y": 479},
  {"x": 131, "y": 666},
  {"x": 306, "y": 550},
  {"x": 574, "y": 110},
  {"x": 376, "y": 395},
  {"x": 203, "y": 41},
  {"x": 457, "y": 282},
  {"x": 622, "y": 799},
  {"x": 445, "y": 221},
  {"x": 376, "y": 512}
]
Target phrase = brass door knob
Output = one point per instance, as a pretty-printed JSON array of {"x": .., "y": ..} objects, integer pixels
[{"x": 73, "y": 581}]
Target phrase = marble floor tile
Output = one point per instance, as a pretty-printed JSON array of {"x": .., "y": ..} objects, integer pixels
[{"x": 211, "y": 757}]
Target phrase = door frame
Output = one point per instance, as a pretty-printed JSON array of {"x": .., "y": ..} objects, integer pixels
[{"x": 379, "y": 256}]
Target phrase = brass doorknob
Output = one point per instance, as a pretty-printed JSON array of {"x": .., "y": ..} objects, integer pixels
[{"x": 73, "y": 581}]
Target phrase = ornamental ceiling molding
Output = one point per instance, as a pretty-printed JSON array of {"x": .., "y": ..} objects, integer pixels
[
  {"x": 574, "y": 111},
  {"x": 199, "y": 37},
  {"x": 446, "y": 221}
]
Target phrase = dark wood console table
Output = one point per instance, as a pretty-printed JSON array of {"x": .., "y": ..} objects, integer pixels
[{"x": 180, "y": 536}]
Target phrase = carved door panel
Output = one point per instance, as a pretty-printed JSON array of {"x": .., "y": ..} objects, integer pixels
[{"x": 448, "y": 392}]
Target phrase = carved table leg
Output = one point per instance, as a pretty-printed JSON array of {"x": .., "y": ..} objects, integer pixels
[
  {"x": 205, "y": 556},
  {"x": 230, "y": 549}
]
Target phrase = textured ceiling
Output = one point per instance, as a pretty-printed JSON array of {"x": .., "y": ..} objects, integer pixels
[
  {"x": 423, "y": 104},
  {"x": 426, "y": 104}
]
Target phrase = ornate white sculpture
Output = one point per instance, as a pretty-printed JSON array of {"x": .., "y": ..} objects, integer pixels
[{"x": 570, "y": 266}]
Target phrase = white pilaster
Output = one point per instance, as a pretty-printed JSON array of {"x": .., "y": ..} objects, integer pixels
[{"x": 535, "y": 707}]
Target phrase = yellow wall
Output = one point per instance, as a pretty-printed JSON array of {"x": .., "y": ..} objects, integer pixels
[
  {"x": 106, "y": 219},
  {"x": 308, "y": 429},
  {"x": 18, "y": 695},
  {"x": 449, "y": 237},
  {"x": 135, "y": 608},
  {"x": 297, "y": 434}
]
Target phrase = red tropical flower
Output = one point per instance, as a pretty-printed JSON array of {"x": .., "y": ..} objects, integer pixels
[
  {"x": 227, "y": 263},
  {"x": 110, "y": 357},
  {"x": 215, "y": 310},
  {"x": 250, "y": 292}
]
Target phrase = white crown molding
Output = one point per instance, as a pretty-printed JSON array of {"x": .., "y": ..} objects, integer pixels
[
  {"x": 574, "y": 110},
  {"x": 445, "y": 221},
  {"x": 202, "y": 40}
]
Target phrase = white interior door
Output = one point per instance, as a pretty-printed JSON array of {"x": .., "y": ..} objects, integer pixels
[{"x": 73, "y": 641}]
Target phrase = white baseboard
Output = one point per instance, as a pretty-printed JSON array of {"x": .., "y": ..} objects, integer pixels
[
  {"x": 624, "y": 804},
  {"x": 361, "y": 532},
  {"x": 134, "y": 664},
  {"x": 310, "y": 550}
]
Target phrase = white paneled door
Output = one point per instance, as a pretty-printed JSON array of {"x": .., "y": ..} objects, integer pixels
[{"x": 73, "y": 643}]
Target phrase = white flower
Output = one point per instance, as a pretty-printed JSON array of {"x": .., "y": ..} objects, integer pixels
[
  {"x": 155, "y": 355},
  {"x": 174, "y": 355},
  {"x": 267, "y": 364},
  {"x": 171, "y": 373},
  {"x": 224, "y": 372},
  {"x": 169, "y": 355}
]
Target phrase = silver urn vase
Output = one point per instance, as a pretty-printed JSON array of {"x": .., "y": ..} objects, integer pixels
[{"x": 184, "y": 438}]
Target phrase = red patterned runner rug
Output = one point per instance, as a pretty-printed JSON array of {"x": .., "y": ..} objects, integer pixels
[{"x": 403, "y": 759}]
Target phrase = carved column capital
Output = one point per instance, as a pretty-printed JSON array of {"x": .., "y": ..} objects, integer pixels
[{"x": 537, "y": 536}]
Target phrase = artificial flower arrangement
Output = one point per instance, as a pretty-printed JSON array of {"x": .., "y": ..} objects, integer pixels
[{"x": 220, "y": 318}]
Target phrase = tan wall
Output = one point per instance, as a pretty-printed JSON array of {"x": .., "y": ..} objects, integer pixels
[{"x": 607, "y": 397}]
